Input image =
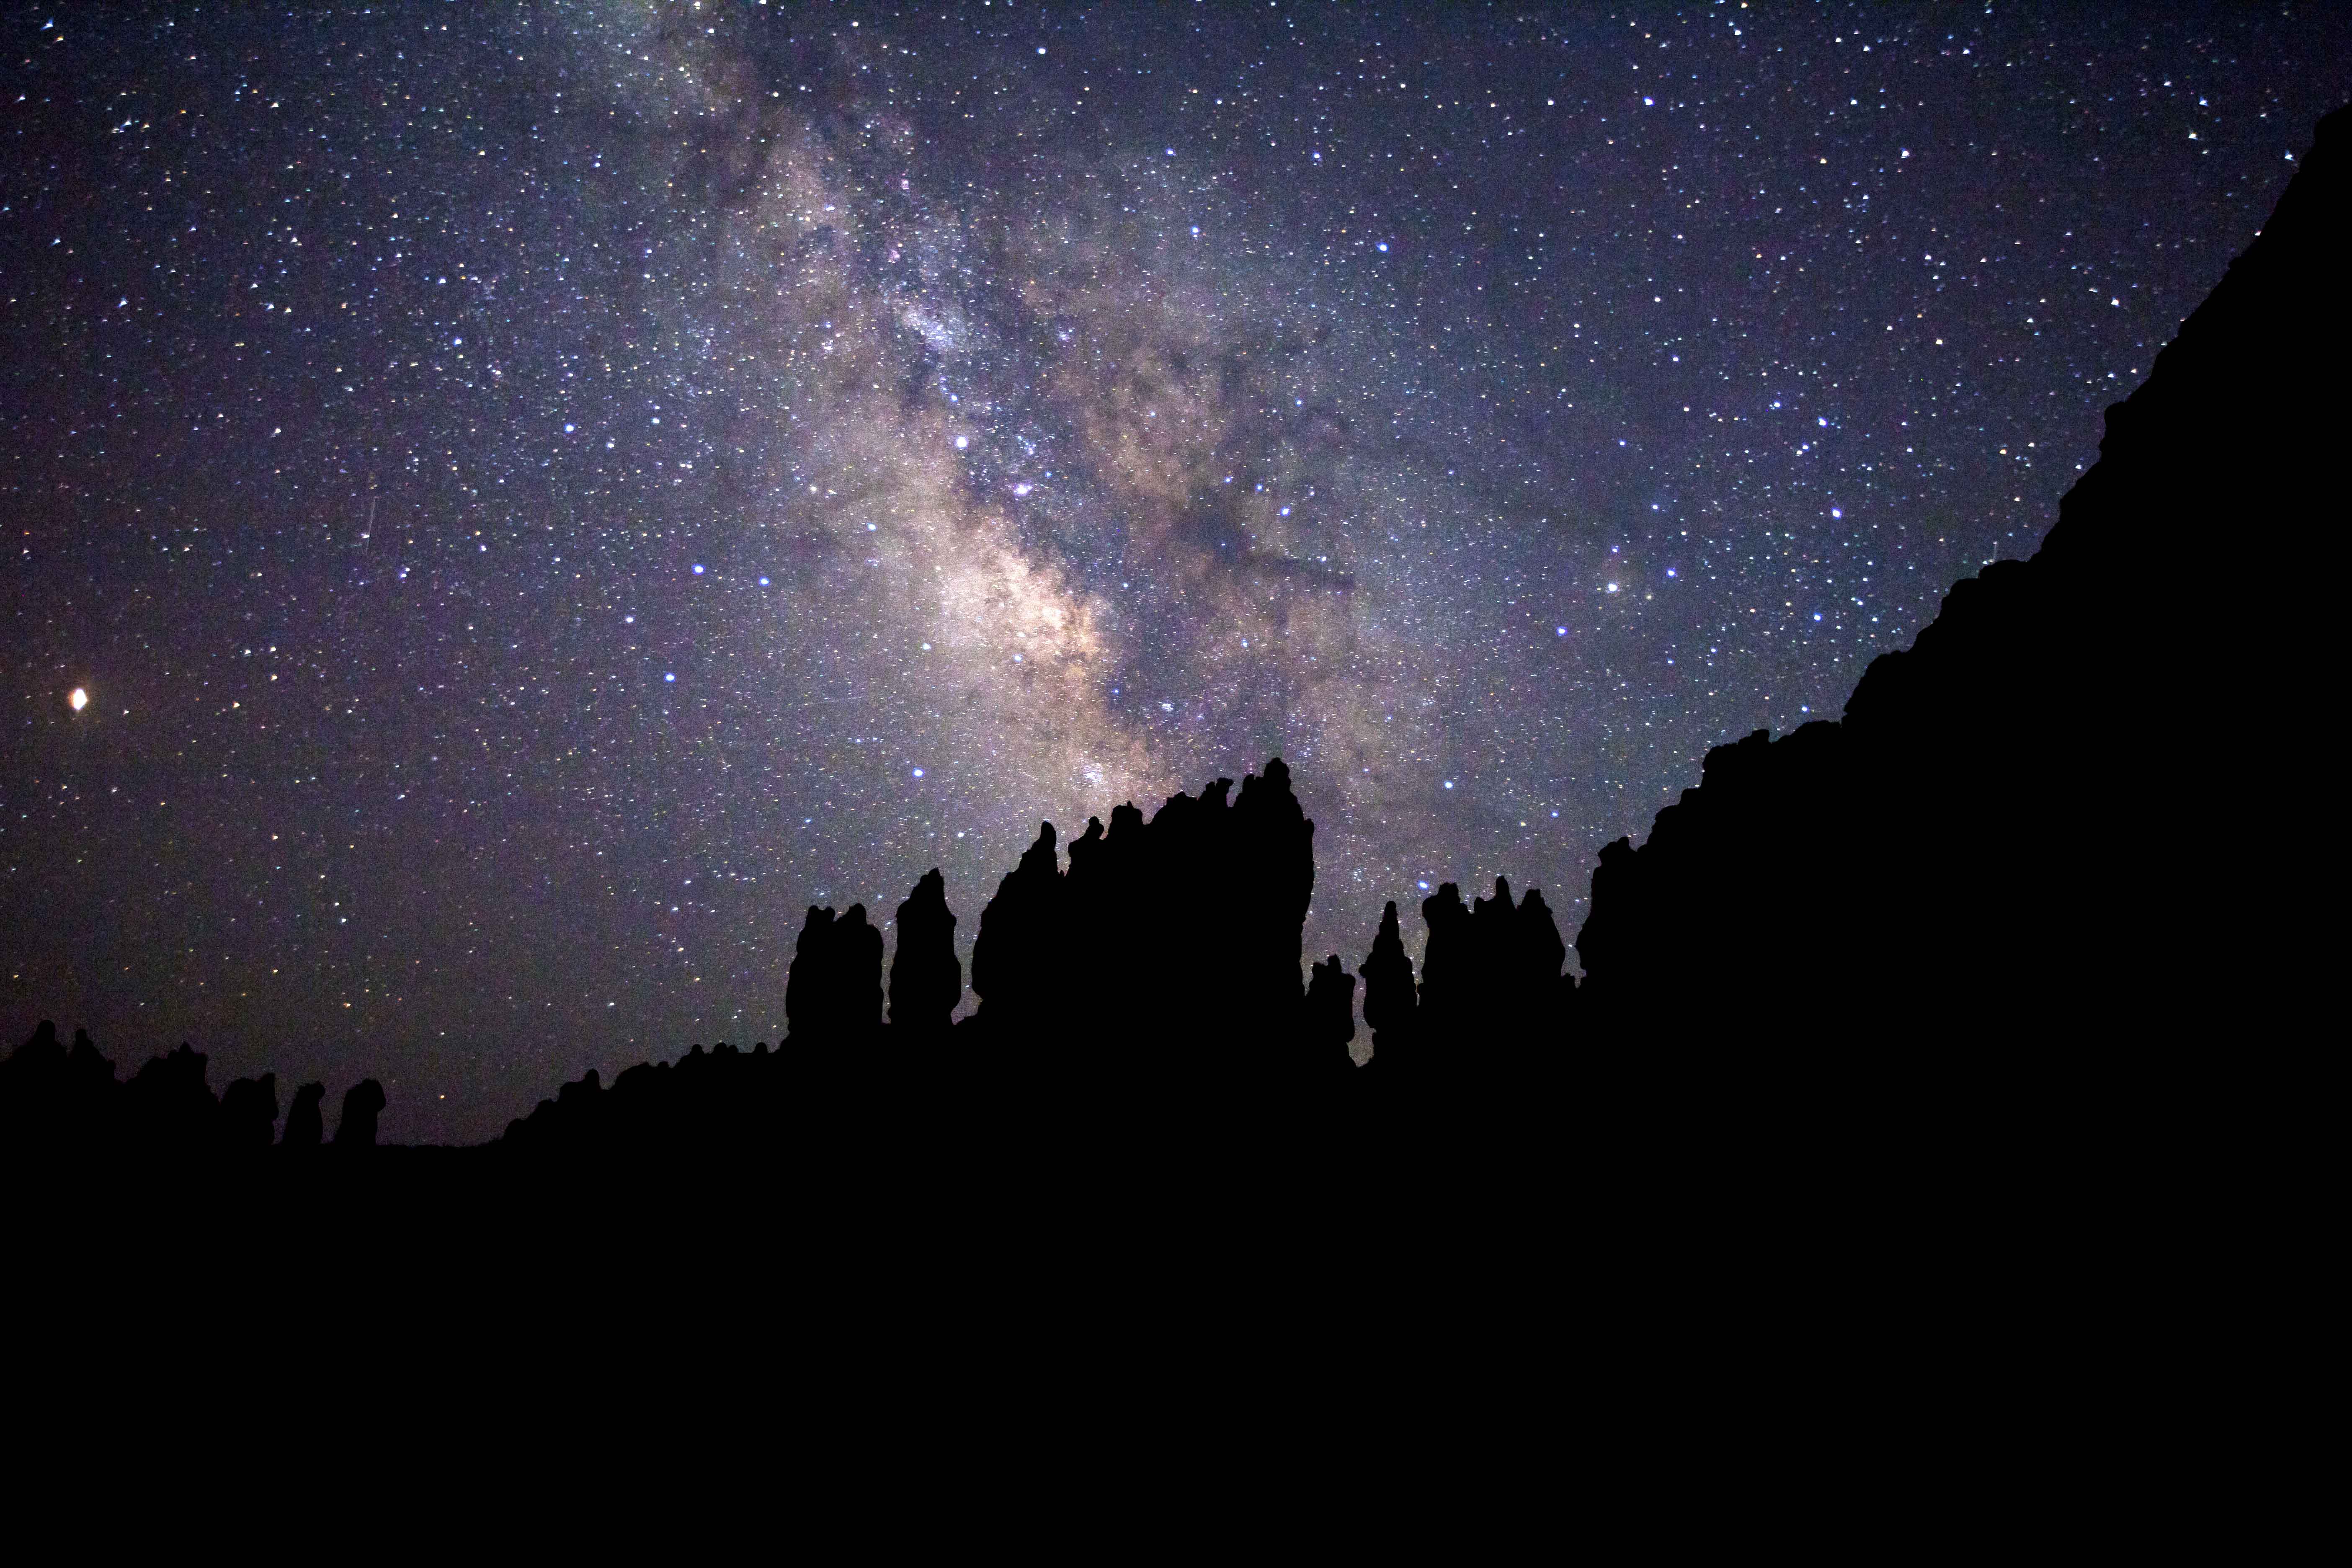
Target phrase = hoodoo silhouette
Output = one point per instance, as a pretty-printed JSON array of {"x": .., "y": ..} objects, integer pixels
[
  {"x": 1964, "y": 904},
  {"x": 834, "y": 995},
  {"x": 363, "y": 1103},
  {"x": 926, "y": 976},
  {"x": 1390, "y": 999},
  {"x": 304, "y": 1126},
  {"x": 55, "y": 1101},
  {"x": 1330, "y": 1019}
]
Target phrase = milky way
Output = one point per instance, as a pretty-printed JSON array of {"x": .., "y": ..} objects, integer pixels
[{"x": 534, "y": 500}]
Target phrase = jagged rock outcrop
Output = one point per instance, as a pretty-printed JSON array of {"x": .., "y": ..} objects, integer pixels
[
  {"x": 709, "y": 1103},
  {"x": 1390, "y": 999},
  {"x": 833, "y": 994},
  {"x": 363, "y": 1103},
  {"x": 57, "y": 1103},
  {"x": 167, "y": 1107},
  {"x": 305, "y": 1127},
  {"x": 54, "y": 1099},
  {"x": 1330, "y": 1020},
  {"x": 926, "y": 976},
  {"x": 1445, "y": 966},
  {"x": 1167, "y": 960},
  {"x": 1271, "y": 864},
  {"x": 248, "y": 1113},
  {"x": 1023, "y": 944},
  {"x": 1492, "y": 1016},
  {"x": 2002, "y": 841}
]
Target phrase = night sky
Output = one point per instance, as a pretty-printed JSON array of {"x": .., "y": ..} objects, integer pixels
[{"x": 535, "y": 497}]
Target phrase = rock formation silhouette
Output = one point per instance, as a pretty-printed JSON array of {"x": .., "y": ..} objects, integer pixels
[
  {"x": 1166, "y": 963},
  {"x": 926, "y": 976},
  {"x": 1023, "y": 942},
  {"x": 833, "y": 997},
  {"x": 1330, "y": 1020},
  {"x": 304, "y": 1127},
  {"x": 1390, "y": 997},
  {"x": 1156, "y": 983},
  {"x": 1445, "y": 1010},
  {"x": 60, "y": 1102},
  {"x": 1987, "y": 848},
  {"x": 168, "y": 1107},
  {"x": 52, "y": 1099},
  {"x": 363, "y": 1103},
  {"x": 248, "y": 1113},
  {"x": 1491, "y": 1012}
]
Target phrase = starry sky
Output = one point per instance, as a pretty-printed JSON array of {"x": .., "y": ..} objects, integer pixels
[{"x": 535, "y": 497}]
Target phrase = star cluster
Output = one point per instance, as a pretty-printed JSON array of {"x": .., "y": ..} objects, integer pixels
[{"x": 509, "y": 508}]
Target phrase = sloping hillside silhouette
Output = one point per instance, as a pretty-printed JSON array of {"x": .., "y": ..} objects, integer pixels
[
  {"x": 2003, "y": 844},
  {"x": 1980, "y": 898}
]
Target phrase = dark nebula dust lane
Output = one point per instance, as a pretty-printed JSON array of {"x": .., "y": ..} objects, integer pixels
[{"x": 533, "y": 500}]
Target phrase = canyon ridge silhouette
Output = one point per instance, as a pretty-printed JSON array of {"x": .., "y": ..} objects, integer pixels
[{"x": 2029, "y": 891}]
